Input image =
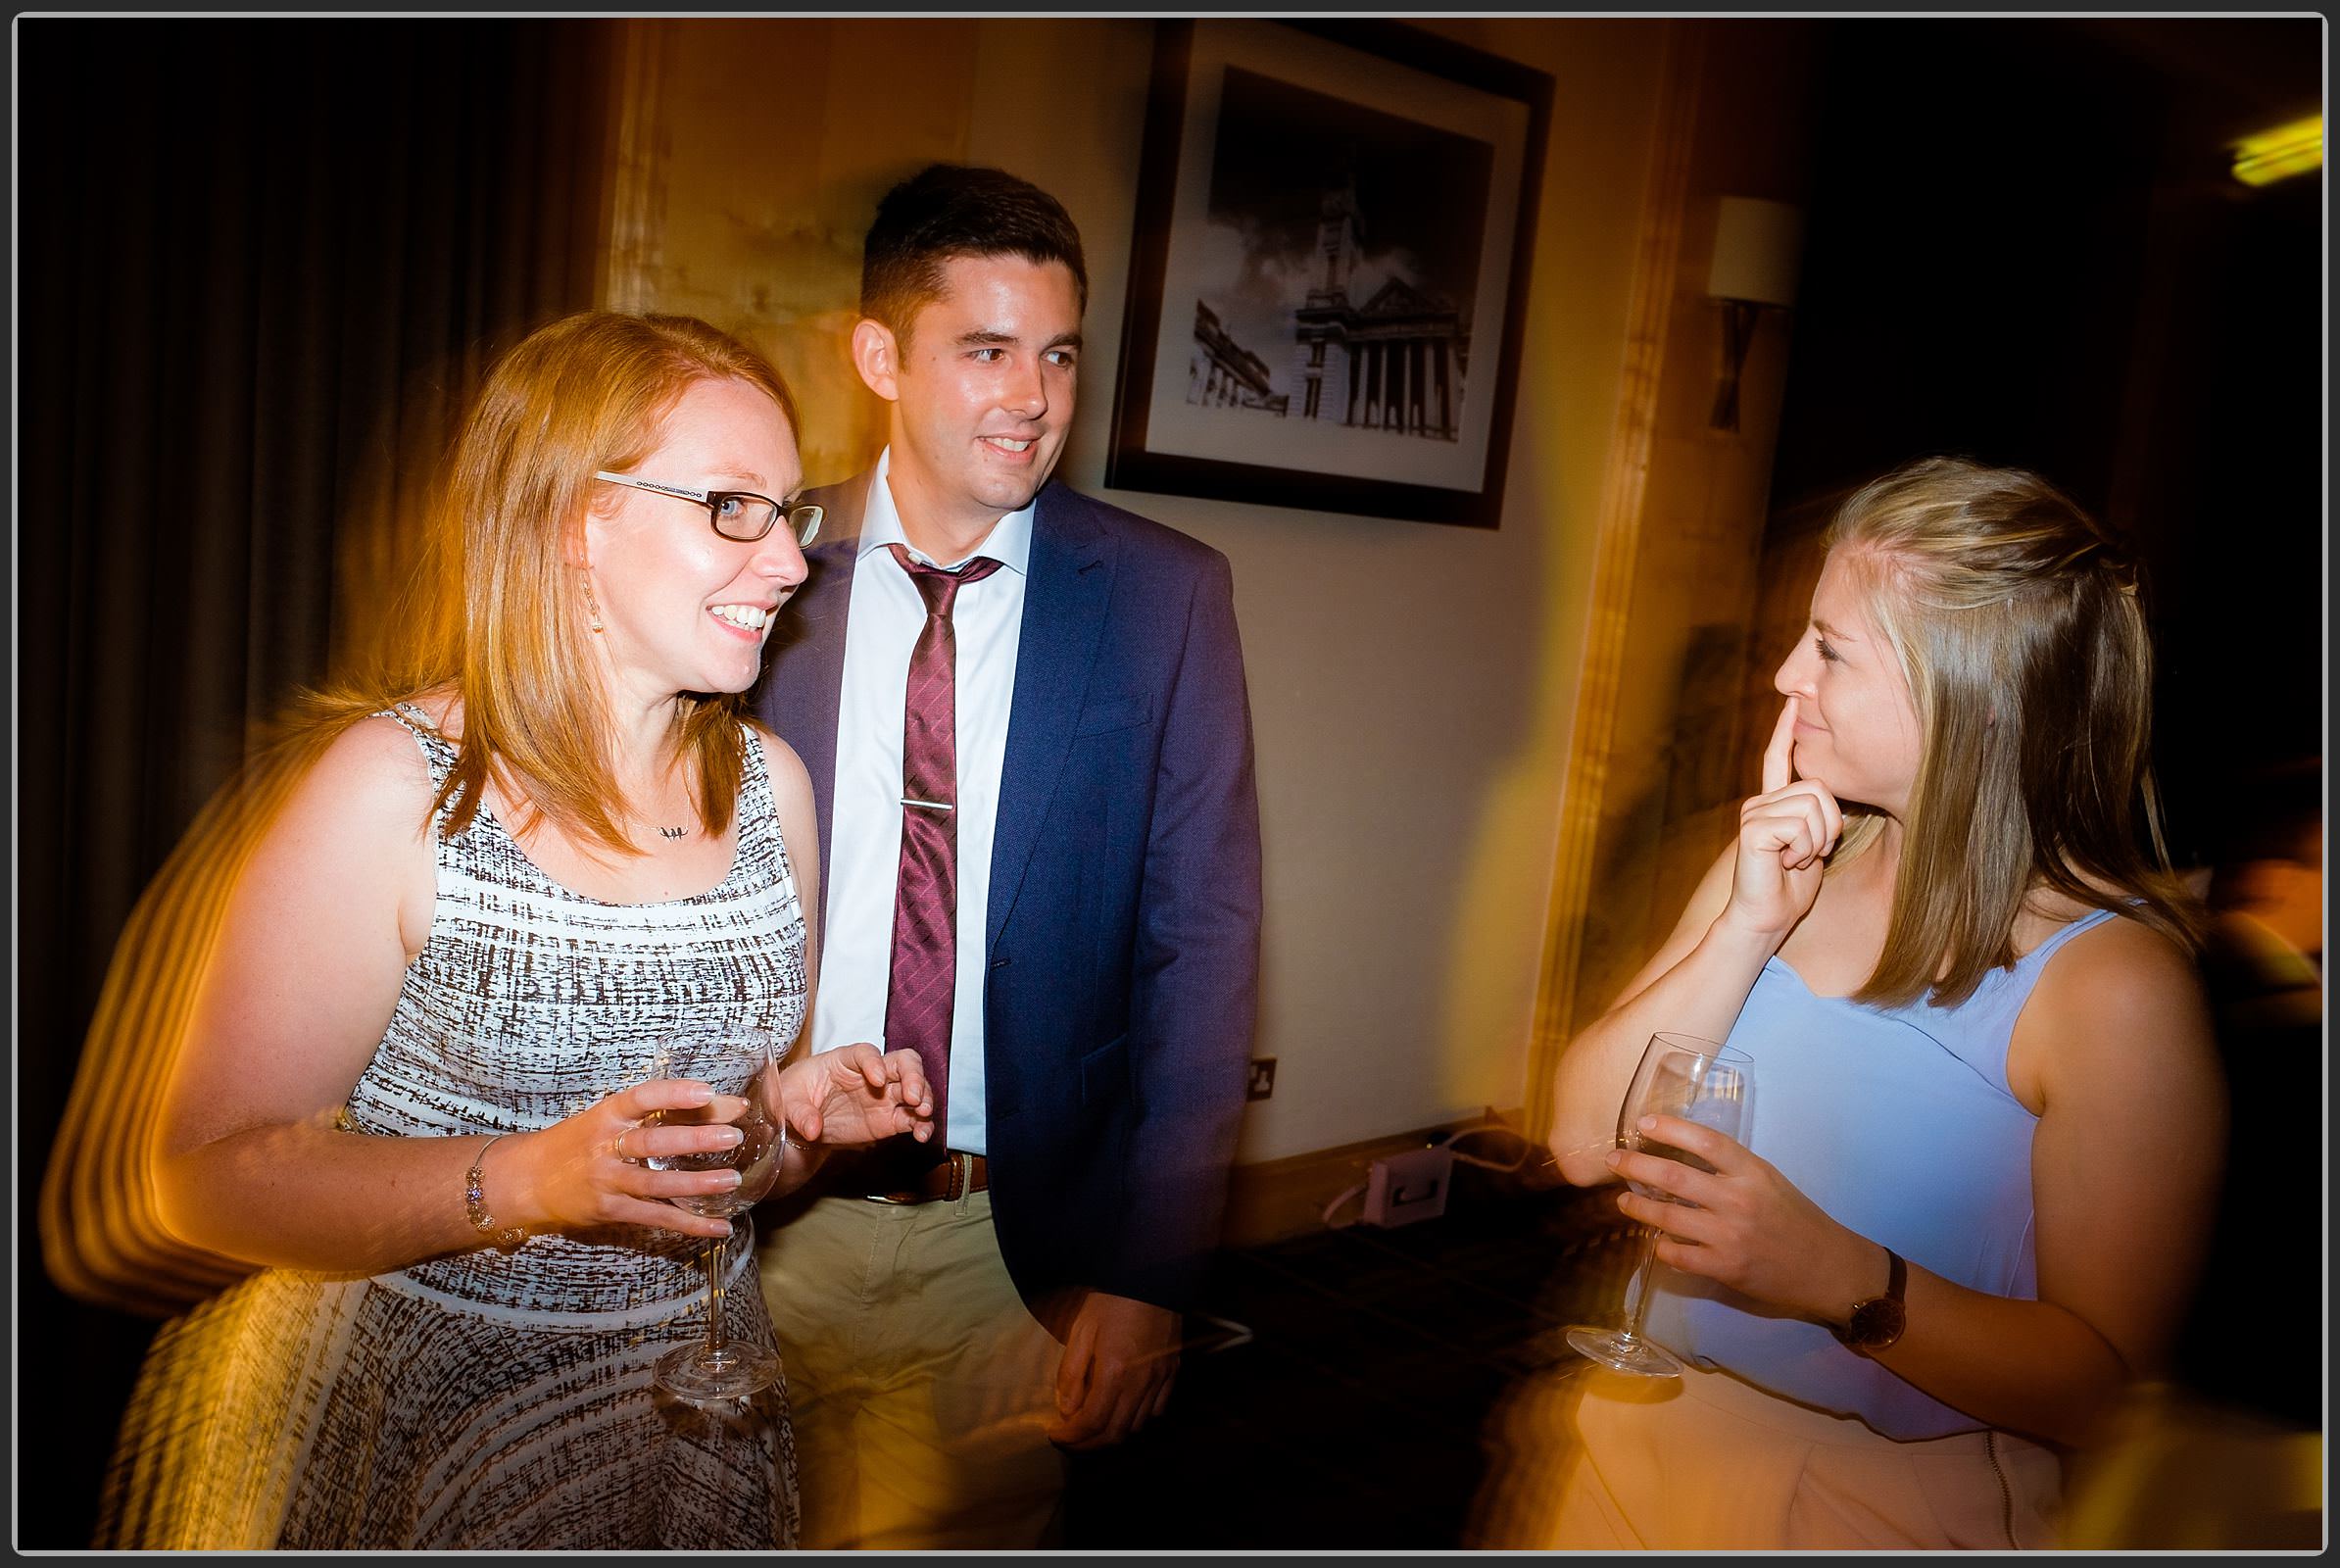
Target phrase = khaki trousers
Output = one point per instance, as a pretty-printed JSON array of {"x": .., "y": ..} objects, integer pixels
[
  {"x": 919, "y": 1386},
  {"x": 1707, "y": 1462}
]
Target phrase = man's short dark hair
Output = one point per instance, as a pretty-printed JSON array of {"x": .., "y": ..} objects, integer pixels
[{"x": 949, "y": 210}]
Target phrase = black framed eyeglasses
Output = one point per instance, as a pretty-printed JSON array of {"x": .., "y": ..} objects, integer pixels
[{"x": 740, "y": 515}]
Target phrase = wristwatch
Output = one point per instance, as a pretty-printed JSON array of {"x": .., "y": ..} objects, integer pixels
[{"x": 1877, "y": 1323}]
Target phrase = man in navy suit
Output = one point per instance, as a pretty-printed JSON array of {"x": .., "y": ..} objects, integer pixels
[{"x": 949, "y": 1328}]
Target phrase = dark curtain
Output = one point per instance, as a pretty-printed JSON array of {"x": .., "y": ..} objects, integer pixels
[{"x": 261, "y": 263}]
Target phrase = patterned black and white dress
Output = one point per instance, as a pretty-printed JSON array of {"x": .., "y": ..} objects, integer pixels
[{"x": 486, "y": 1400}]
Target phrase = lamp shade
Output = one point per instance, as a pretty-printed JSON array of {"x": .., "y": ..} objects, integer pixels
[{"x": 1758, "y": 247}]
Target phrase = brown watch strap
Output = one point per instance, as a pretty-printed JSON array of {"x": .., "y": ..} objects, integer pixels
[
  {"x": 1876, "y": 1322},
  {"x": 1897, "y": 1276}
]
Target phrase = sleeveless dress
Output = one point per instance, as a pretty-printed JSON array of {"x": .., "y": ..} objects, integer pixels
[
  {"x": 488, "y": 1400},
  {"x": 1900, "y": 1124}
]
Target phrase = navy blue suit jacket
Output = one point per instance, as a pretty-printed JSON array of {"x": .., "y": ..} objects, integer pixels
[{"x": 1123, "y": 929}]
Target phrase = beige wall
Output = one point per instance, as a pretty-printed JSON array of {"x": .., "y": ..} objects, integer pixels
[
  {"x": 1413, "y": 687},
  {"x": 1689, "y": 665}
]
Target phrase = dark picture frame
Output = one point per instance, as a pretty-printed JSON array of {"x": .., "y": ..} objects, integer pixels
[{"x": 1328, "y": 274}]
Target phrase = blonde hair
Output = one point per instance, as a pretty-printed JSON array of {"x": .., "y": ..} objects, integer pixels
[
  {"x": 2017, "y": 624},
  {"x": 498, "y": 611}
]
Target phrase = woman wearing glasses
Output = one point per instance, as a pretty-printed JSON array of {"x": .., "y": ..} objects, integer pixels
[{"x": 408, "y": 1091}]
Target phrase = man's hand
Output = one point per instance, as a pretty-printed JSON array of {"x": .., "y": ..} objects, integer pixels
[
  {"x": 856, "y": 1094},
  {"x": 1120, "y": 1360}
]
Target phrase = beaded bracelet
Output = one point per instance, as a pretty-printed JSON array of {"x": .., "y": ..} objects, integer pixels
[{"x": 509, "y": 1237}]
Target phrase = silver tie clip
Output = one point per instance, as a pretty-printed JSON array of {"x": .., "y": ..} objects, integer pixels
[{"x": 932, "y": 806}]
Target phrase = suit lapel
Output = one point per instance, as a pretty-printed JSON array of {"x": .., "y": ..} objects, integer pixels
[
  {"x": 1068, "y": 583},
  {"x": 815, "y": 664}
]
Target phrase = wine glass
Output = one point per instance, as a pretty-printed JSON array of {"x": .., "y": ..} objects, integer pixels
[
  {"x": 1698, "y": 1081},
  {"x": 734, "y": 1064}
]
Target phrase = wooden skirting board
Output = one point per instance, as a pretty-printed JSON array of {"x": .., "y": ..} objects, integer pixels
[{"x": 1276, "y": 1199}]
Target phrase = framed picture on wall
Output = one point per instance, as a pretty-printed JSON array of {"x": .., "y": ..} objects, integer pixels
[{"x": 1329, "y": 278}]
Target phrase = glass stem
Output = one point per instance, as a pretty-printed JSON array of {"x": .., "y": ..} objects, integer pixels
[
  {"x": 1638, "y": 1292},
  {"x": 714, "y": 1296}
]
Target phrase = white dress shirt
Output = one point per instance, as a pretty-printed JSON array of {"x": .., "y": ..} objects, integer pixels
[{"x": 883, "y": 622}]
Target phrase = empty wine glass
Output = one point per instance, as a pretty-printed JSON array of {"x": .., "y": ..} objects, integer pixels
[
  {"x": 1695, "y": 1080},
  {"x": 736, "y": 1066}
]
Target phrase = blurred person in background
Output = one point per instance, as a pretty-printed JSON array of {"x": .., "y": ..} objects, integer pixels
[
  {"x": 2263, "y": 965},
  {"x": 1988, "y": 1116},
  {"x": 2265, "y": 961}
]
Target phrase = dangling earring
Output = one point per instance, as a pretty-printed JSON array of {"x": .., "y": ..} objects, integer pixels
[{"x": 592, "y": 605}]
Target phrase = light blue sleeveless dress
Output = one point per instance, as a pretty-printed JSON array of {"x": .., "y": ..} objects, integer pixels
[{"x": 1899, "y": 1123}]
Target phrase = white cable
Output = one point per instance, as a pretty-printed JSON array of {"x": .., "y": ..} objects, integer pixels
[
  {"x": 1489, "y": 1164},
  {"x": 1334, "y": 1208},
  {"x": 1238, "y": 1335}
]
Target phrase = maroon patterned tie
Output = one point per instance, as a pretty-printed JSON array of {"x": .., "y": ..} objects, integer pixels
[{"x": 922, "y": 980}]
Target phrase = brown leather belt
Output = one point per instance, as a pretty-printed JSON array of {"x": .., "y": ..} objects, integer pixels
[{"x": 951, "y": 1180}]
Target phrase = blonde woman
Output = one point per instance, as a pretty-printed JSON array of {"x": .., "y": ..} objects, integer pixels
[
  {"x": 1989, "y": 1116},
  {"x": 409, "y": 1091}
]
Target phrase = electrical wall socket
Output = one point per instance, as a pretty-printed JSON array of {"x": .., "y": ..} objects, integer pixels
[
  {"x": 1403, "y": 1188},
  {"x": 1263, "y": 1078}
]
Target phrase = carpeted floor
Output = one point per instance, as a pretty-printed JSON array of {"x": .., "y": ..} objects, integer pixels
[{"x": 1359, "y": 1412}]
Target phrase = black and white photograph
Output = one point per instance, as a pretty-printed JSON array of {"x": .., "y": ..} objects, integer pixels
[
  {"x": 1340, "y": 262},
  {"x": 1324, "y": 309}
]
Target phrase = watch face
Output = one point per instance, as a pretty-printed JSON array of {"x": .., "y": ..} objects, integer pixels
[{"x": 1876, "y": 1324}]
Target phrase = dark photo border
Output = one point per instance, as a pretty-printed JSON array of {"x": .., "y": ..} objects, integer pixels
[{"x": 1498, "y": 326}]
